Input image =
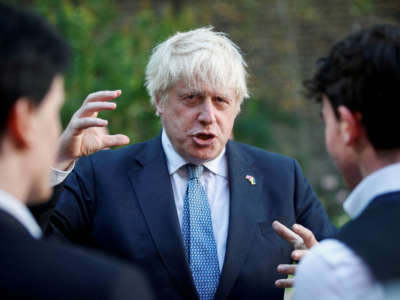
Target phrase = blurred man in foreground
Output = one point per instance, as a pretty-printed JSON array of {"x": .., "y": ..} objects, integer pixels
[
  {"x": 32, "y": 61},
  {"x": 190, "y": 207},
  {"x": 358, "y": 85}
]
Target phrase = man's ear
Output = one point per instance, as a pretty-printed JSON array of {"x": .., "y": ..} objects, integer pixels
[
  {"x": 20, "y": 122},
  {"x": 159, "y": 105},
  {"x": 351, "y": 128}
]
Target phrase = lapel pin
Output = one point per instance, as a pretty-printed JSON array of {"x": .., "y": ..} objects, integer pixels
[{"x": 251, "y": 179}]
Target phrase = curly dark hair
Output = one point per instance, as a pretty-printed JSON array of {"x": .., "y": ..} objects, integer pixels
[{"x": 362, "y": 72}]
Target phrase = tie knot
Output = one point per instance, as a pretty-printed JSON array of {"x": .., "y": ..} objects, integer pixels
[{"x": 195, "y": 171}]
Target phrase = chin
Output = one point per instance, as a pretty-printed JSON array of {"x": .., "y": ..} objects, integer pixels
[
  {"x": 204, "y": 157},
  {"x": 40, "y": 195}
]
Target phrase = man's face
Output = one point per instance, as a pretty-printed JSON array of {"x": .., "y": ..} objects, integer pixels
[
  {"x": 335, "y": 141},
  {"x": 198, "y": 120},
  {"x": 47, "y": 128}
]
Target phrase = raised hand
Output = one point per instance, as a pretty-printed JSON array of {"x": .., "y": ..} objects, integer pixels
[
  {"x": 302, "y": 239},
  {"x": 86, "y": 133}
]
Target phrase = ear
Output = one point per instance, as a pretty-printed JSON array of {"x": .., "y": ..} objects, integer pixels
[
  {"x": 351, "y": 128},
  {"x": 159, "y": 105},
  {"x": 20, "y": 123}
]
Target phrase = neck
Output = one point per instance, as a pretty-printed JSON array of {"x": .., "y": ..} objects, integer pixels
[
  {"x": 374, "y": 160},
  {"x": 14, "y": 175}
]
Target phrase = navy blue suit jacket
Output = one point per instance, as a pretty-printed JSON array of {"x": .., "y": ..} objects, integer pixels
[
  {"x": 122, "y": 203},
  {"x": 42, "y": 270}
]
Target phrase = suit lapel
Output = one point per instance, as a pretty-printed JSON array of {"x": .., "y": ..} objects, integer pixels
[
  {"x": 244, "y": 202},
  {"x": 152, "y": 186}
]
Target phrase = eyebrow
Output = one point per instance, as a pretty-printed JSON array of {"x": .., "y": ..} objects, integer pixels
[{"x": 197, "y": 92}]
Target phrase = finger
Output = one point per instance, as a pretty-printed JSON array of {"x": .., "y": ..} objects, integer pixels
[
  {"x": 284, "y": 283},
  {"x": 83, "y": 123},
  {"x": 288, "y": 235},
  {"x": 286, "y": 269},
  {"x": 115, "y": 140},
  {"x": 103, "y": 95},
  {"x": 306, "y": 234},
  {"x": 299, "y": 254},
  {"x": 90, "y": 108}
]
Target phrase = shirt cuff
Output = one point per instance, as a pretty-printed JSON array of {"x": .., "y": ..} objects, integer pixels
[{"x": 58, "y": 176}]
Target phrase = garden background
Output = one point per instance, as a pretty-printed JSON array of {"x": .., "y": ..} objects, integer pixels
[{"x": 280, "y": 40}]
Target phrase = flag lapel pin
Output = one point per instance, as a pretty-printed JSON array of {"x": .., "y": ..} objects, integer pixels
[{"x": 251, "y": 179}]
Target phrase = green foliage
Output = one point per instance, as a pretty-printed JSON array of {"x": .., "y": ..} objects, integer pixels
[
  {"x": 363, "y": 7},
  {"x": 111, "y": 47},
  {"x": 254, "y": 123},
  {"x": 280, "y": 39}
]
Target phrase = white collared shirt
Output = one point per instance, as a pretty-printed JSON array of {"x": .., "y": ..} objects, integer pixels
[
  {"x": 331, "y": 270},
  {"x": 58, "y": 176},
  {"x": 18, "y": 210},
  {"x": 214, "y": 180}
]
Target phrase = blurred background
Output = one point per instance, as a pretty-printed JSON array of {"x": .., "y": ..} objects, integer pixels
[{"x": 280, "y": 40}]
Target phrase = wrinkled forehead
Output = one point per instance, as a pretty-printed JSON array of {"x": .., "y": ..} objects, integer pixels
[{"x": 206, "y": 87}]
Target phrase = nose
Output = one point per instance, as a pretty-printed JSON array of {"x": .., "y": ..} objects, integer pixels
[{"x": 207, "y": 111}]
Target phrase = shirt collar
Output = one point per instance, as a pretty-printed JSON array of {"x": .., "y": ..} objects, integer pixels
[
  {"x": 19, "y": 211},
  {"x": 174, "y": 161},
  {"x": 383, "y": 181}
]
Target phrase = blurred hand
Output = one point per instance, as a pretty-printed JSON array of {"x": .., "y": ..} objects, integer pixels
[
  {"x": 86, "y": 133},
  {"x": 302, "y": 239}
]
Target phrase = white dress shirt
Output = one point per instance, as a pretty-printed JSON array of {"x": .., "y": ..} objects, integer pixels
[
  {"x": 18, "y": 210},
  {"x": 214, "y": 180},
  {"x": 331, "y": 270},
  {"x": 58, "y": 176}
]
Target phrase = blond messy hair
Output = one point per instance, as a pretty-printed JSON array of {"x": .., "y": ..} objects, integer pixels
[{"x": 200, "y": 55}]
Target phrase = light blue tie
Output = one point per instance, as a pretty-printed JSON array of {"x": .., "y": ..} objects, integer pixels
[{"x": 198, "y": 236}]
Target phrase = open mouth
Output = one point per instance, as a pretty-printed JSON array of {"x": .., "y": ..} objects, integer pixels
[
  {"x": 204, "y": 136},
  {"x": 204, "y": 139}
]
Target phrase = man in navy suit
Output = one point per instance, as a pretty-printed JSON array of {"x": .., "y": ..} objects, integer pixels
[
  {"x": 133, "y": 202},
  {"x": 32, "y": 61}
]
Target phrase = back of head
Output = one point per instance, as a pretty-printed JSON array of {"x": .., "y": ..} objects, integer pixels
[
  {"x": 362, "y": 72},
  {"x": 31, "y": 55},
  {"x": 197, "y": 56}
]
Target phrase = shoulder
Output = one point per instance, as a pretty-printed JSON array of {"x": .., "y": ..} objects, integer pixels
[
  {"x": 259, "y": 156},
  {"x": 330, "y": 252},
  {"x": 122, "y": 157},
  {"x": 40, "y": 262},
  {"x": 338, "y": 271},
  {"x": 120, "y": 154},
  {"x": 277, "y": 166}
]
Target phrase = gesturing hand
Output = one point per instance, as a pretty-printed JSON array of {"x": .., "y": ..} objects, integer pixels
[
  {"x": 302, "y": 239},
  {"x": 86, "y": 133}
]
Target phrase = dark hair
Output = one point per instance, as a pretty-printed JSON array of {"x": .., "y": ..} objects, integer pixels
[
  {"x": 31, "y": 55},
  {"x": 362, "y": 72}
]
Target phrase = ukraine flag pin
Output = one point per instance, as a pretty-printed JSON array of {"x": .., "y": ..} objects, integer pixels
[{"x": 251, "y": 179}]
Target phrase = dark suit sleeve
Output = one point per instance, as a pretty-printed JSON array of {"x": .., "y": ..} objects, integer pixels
[
  {"x": 72, "y": 216},
  {"x": 67, "y": 216},
  {"x": 131, "y": 285},
  {"x": 309, "y": 210},
  {"x": 42, "y": 212}
]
